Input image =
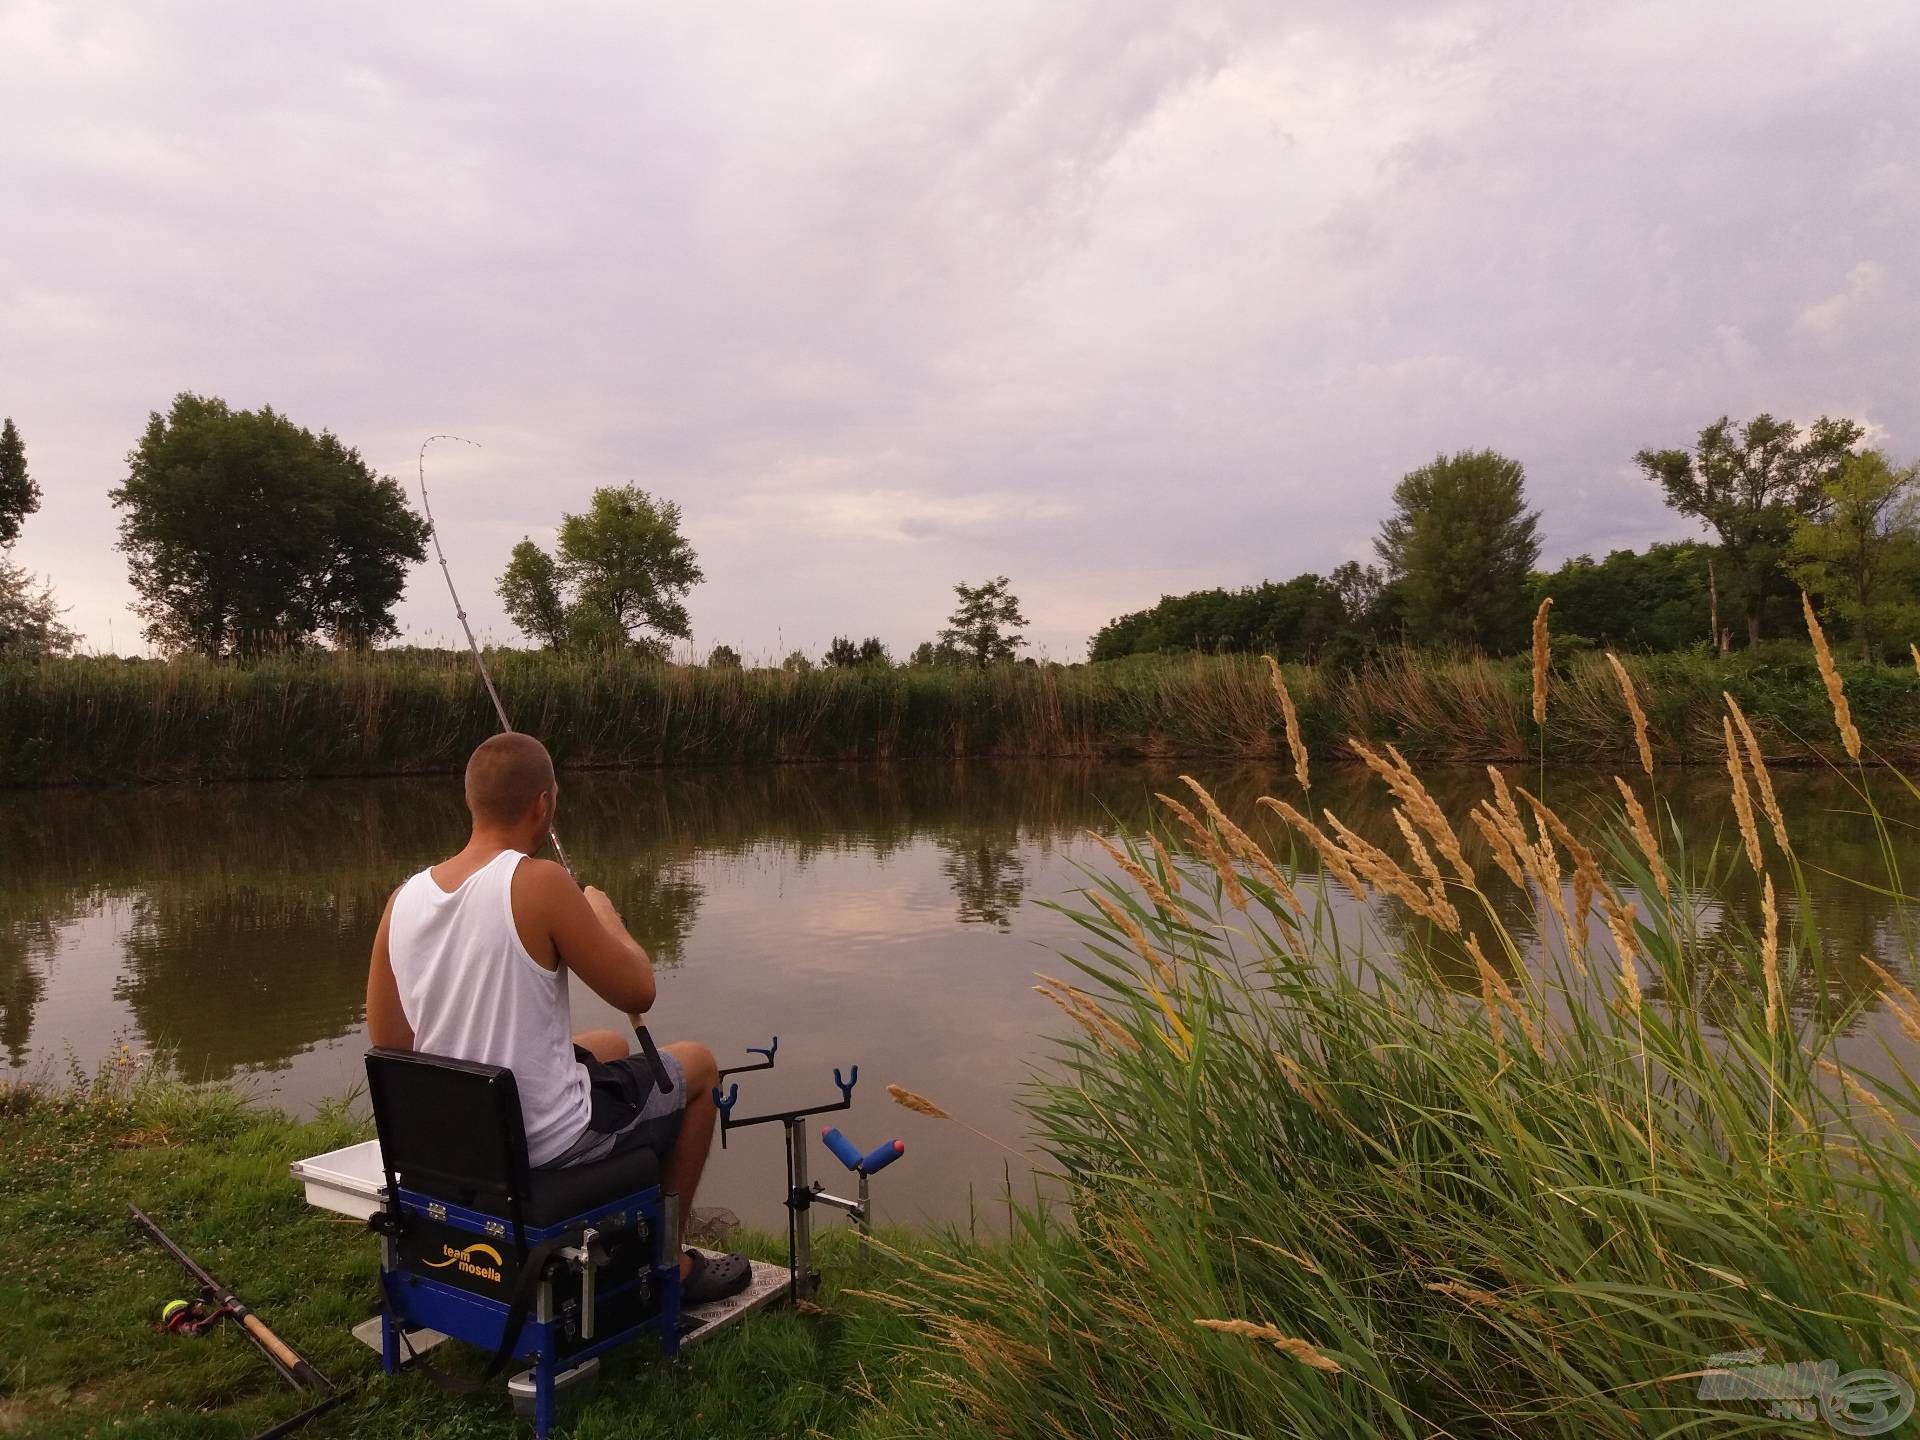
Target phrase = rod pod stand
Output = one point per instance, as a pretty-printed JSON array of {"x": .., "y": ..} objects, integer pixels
[{"x": 802, "y": 1191}]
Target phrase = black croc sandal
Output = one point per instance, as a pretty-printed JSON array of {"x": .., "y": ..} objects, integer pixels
[{"x": 714, "y": 1277}]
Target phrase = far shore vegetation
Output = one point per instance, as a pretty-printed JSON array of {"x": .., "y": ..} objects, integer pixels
[{"x": 88, "y": 720}]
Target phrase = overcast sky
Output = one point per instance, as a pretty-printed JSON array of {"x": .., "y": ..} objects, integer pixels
[{"x": 1115, "y": 298}]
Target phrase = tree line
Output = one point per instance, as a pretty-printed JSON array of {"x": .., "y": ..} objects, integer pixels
[
  {"x": 1458, "y": 555},
  {"x": 29, "y": 615},
  {"x": 246, "y": 533}
]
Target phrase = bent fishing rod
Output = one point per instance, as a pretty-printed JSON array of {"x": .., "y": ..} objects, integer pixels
[{"x": 647, "y": 1046}]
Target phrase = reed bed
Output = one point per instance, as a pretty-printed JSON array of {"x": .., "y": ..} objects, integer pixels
[
  {"x": 1312, "y": 1189},
  {"x": 92, "y": 720}
]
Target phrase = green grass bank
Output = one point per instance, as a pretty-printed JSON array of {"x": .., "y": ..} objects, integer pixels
[
  {"x": 80, "y": 1291},
  {"x": 92, "y": 720}
]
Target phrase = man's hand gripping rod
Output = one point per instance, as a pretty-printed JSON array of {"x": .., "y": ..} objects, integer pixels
[{"x": 647, "y": 1046}]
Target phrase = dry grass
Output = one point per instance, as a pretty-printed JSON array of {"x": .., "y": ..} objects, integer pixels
[
  {"x": 1830, "y": 675},
  {"x": 1639, "y": 716},
  {"x": 1742, "y": 799},
  {"x": 1542, "y": 663},
  {"x": 1291, "y": 717},
  {"x": 919, "y": 1104}
]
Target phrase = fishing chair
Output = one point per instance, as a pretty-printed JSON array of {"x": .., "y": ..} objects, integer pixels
[{"x": 552, "y": 1266}]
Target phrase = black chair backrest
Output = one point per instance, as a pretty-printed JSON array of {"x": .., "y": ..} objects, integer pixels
[{"x": 450, "y": 1130}]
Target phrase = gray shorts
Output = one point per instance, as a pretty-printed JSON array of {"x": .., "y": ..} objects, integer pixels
[{"x": 630, "y": 1111}]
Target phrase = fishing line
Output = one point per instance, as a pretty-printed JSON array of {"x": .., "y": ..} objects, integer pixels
[
  {"x": 486, "y": 678},
  {"x": 553, "y": 836}
]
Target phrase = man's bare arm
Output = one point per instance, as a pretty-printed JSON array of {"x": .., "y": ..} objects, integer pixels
[
  {"x": 590, "y": 939},
  {"x": 386, "y": 1017}
]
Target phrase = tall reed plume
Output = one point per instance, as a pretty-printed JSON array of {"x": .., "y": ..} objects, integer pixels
[
  {"x": 1292, "y": 717},
  {"x": 1639, "y": 716},
  {"x": 1830, "y": 674},
  {"x": 1542, "y": 659},
  {"x": 1762, "y": 777},
  {"x": 1742, "y": 798}
]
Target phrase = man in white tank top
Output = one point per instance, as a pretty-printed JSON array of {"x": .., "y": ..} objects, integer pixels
[{"x": 471, "y": 962}]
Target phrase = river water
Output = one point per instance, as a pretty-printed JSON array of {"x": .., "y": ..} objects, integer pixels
[{"x": 889, "y": 916}]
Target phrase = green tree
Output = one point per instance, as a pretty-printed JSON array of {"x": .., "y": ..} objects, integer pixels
[
  {"x": 844, "y": 653},
  {"x": 797, "y": 663},
  {"x": 19, "y": 496},
  {"x": 723, "y": 657},
  {"x": 1655, "y": 599},
  {"x": 530, "y": 593},
  {"x": 1459, "y": 548},
  {"x": 1750, "y": 486},
  {"x": 985, "y": 626},
  {"x": 1290, "y": 620},
  {"x": 1356, "y": 589},
  {"x": 30, "y": 627},
  {"x": 621, "y": 576},
  {"x": 1862, "y": 554},
  {"x": 928, "y": 652},
  {"x": 244, "y": 531}
]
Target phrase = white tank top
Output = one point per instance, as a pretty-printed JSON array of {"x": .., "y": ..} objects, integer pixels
[{"x": 472, "y": 992}]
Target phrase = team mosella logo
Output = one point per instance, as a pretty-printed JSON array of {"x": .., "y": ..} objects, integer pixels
[
  {"x": 467, "y": 1261},
  {"x": 1860, "y": 1402}
]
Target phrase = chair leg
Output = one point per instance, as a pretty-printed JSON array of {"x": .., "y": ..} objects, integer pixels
[
  {"x": 666, "y": 1273},
  {"x": 389, "y": 1336},
  {"x": 543, "y": 1401}
]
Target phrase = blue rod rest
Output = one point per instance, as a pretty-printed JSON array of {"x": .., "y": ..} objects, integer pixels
[
  {"x": 726, "y": 1103},
  {"x": 846, "y": 1085},
  {"x": 844, "y": 1150},
  {"x": 848, "y": 1154}
]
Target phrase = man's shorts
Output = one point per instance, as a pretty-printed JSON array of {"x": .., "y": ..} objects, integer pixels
[{"x": 630, "y": 1112}]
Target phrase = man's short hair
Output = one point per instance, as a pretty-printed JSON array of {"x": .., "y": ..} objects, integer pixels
[{"x": 505, "y": 776}]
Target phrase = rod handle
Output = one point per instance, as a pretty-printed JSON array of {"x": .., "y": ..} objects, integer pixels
[
  {"x": 652, "y": 1052},
  {"x": 272, "y": 1343}
]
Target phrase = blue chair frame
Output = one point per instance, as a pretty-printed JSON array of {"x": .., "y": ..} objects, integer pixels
[{"x": 466, "y": 1218}]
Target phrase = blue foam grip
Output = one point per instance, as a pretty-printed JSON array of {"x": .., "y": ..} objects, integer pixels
[
  {"x": 846, "y": 1086},
  {"x": 768, "y": 1052},
  {"x": 844, "y": 1150},
  {"x": 883, "y": 1156},
  {"x": 729, "y": 1100}
]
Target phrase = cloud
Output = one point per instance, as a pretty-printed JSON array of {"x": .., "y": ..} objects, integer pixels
[
  {"x": 1113, "y": 297},
  {"x": 1865, "y": 281}
]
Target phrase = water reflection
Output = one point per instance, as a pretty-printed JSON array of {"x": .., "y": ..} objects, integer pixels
[
  {"x": 987, "y": 877},
  {"x": 867, "y": 905},
  {"x": 25, "y": 945}
]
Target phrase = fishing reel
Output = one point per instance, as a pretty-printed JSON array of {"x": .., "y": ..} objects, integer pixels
[
  {"x": 190, "y": 1317},
  {"x": 803, "y": 1193}
]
